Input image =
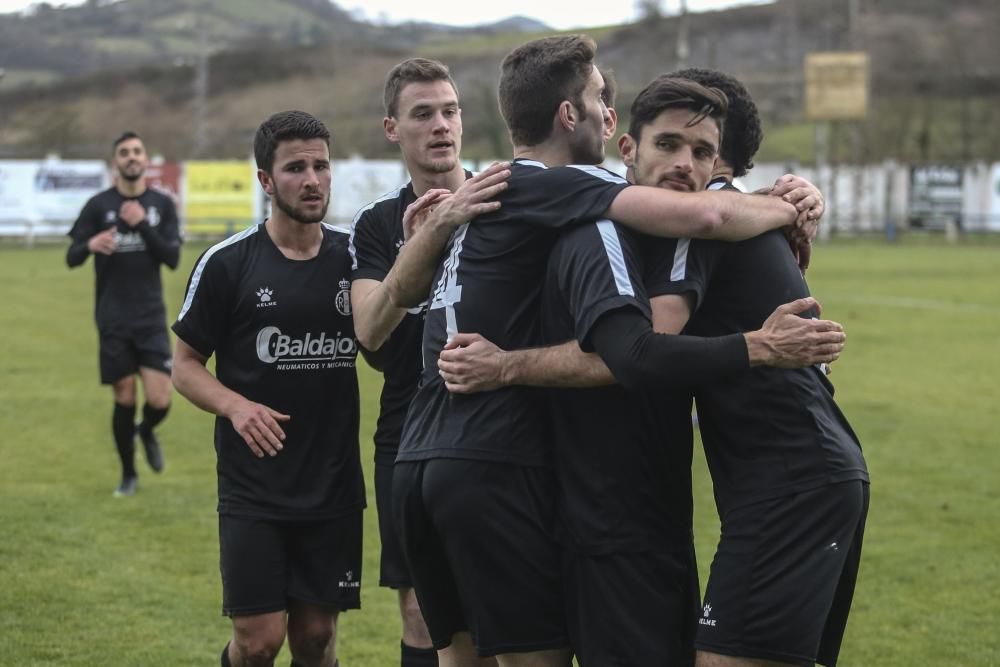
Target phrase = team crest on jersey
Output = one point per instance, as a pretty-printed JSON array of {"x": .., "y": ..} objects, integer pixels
[
  {"x": 152, "y": 216},
  {"x": 343, "y": 300},
  {"x": 266, "y": 296},
  {"x": 110, "y": 216}
]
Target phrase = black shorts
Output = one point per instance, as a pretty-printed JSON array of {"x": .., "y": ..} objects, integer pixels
[
  {"x": 393, "y": 571},
  {"x": 477, "y": 536},
  {"x": 783, "y": 577},
  {"x": 265, "y": 563},
  {"x": 632, "y": 608},
  {"x": 123, "y": 352}
]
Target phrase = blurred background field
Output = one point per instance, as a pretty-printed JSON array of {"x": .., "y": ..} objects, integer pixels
[{"x": 86, "y": 579}]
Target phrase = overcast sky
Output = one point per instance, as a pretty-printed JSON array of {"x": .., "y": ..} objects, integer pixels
[{"x": 551, "y": 12}]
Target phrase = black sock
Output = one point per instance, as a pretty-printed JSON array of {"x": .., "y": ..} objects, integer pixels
[
  {"x": 123, "y": 427},
  {"x": 152, "y": 416},
  {"x": 411, "y": 656},
  {"x": 225, "y": 656}
]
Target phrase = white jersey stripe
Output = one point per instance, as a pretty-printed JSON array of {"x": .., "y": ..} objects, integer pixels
[
  {"x": 531, "y": 163},
  {"x": 613, "y": 247},
  {"x": 198, "y": 270},
  {"x": 335, "y": 228},
  {"x": 679, "y": 270},
  {"x": 599, "y": 172},
  {"x": 394, "y": 194}
]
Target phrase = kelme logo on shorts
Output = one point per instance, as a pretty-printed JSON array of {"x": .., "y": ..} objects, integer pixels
[
  {"x": 349, "y": 581},
  {"x": 275, "y": 347},
  {"x": 705, "y": 620}
]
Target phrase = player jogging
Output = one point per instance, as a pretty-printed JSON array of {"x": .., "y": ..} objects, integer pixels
[{"x": 131, "y": 230}]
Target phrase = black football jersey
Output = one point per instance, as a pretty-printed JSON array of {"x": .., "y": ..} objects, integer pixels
[
  {"x": 282, "y": 335},
  {"x": 490, "y": 283},
  {"x": 622, "y": 461},
  {"x": 376, "y": 239},
  {"x": 128, "y": 290},
  {"x": 768, "y": 431}
]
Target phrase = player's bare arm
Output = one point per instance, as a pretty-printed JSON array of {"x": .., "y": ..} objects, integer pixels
[
  {"x": 375, "y": 318},
  {"x": 671, "y": 312},
  {"x": 470, "y": 363},
  {"x": 718, "y": 215},
  {"x": 257, "y": 424},
  {"x": 442, "y": 212}
]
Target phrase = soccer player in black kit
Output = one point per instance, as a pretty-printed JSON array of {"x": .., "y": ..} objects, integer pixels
[
  {"x": 473, "y": 489},
  {"x": 790, "y": 481},
  {"x": 131, "y": 230},
  {"x": 422, "y": 115},
  {"x": 622, "y": 460},
  {"x": 272, "y": 303}
]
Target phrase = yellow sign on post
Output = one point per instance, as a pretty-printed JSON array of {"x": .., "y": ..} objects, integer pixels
[
  {"x": 218, "y": 193},
  {"x": 837, "y": 85}
]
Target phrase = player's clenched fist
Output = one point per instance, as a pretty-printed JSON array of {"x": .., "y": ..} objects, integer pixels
[{"x": 132, "y": 212}]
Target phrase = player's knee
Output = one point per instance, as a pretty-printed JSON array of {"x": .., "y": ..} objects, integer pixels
[
  {"x": 159, "y": 402},
  {"x": 255, "y": 651},
  {"x": 312, "y": 643},
  {"x": 124, "y": 391},
  {"x": 709, "y": 659},
  {"x": 259, "y": 646}
]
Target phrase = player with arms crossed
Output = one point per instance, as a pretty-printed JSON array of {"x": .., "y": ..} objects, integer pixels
[
  {"x": 473, "y": 488},
  {"x": 131, "y": 230},
  {"x": 273, "y": 305}
]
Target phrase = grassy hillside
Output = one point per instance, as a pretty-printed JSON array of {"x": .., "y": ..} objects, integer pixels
[{"x": 935, "y": 80}]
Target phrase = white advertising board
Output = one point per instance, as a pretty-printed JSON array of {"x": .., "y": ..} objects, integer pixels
[
  {"x": 50, "y": 192},
  {"x": 993, "y": 221}
]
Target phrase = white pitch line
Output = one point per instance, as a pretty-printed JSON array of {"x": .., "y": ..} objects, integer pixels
[{"x": 912, "y": 303}]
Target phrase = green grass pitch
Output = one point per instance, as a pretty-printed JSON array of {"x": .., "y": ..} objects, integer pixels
[{"x": 86, "y": 579}]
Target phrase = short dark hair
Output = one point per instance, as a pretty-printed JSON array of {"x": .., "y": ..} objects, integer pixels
[
  {"x": 669, "y": 92},
  {"x": 285, "y": 126},
  {"x": 125, "y": 136},
  {"x": 743, "y": 131},
  {"x": 535, "y": 78},
  {"x": 610, "y": 86},
  {"x": 412, "y": 70}
]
